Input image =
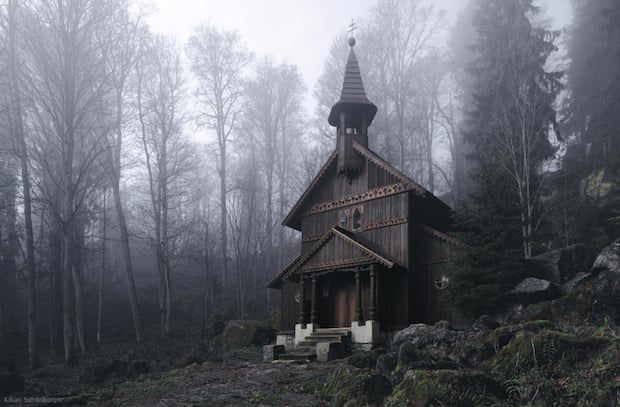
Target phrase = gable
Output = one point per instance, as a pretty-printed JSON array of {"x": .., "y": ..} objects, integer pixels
[
  {"x": 328, "y": 189},
  {"x": 336, "y": 249}
]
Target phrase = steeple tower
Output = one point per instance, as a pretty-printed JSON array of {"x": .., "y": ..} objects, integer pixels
[{"x": 351, "y": 115}]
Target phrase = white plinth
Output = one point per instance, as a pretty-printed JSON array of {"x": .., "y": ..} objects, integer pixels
[
  {"x": 367, "y": 333},
  {"x": 302, "y": 333}
]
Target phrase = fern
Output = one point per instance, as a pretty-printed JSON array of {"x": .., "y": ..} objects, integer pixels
[
  {"x": 514, "y": 391},
  {"x": 549, "y": 354}
]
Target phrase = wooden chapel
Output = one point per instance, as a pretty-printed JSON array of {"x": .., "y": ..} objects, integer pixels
[{"x": 374, "y": 248}]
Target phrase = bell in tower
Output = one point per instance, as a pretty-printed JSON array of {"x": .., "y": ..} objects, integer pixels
[{"x": 351, "y": 116}]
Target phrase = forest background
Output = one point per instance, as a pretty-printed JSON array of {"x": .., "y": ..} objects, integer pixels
[{"x": 143, "y": 181}]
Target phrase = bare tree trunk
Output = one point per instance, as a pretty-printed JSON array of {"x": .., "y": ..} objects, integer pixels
[
  {"x": 8, "y": 271},
  {"x": 55, "y": 306},
  {"x": 77, "y": 286},
  {"x": 17, "y": 126},
  {"x": 67, "y": 295},
  {"x": 224, "y": 216},
  {"x": 67, "y": 231},
  {"x": 206, "y": 294},
  {"x": 103, "y": 267},
  {"x": 163, "y": 180},
  {"x": 124, "y": 234}
]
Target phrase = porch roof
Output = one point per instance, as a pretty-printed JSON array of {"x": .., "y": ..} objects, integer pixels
[{"x": 324, "y": 255}]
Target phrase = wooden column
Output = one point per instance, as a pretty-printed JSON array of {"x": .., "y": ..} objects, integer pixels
[
  {"x": 358, "y": 297},
  {"x": 313, "y": 311},
  {"x": 373, "y": 293},
  {"x": 302, "y": 316}
]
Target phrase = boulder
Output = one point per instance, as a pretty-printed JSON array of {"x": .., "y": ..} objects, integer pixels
[
  {"x": 484, "y": 323},
  {"x": 571, "y": 284},
  {"x": 423, "y": 335},
  {"x": 533, "y": 290},
  {"x": 355, "y": 387},
  {"x": 386, "y": 364},
  {"x": 444, "y": 387},
  {"x": 365, "y": 359},
  {"x": 560, "y": 265},
  {"x": 242, "y": 334},
  {"x": 326, "y": 351},
  {"x": 272, "y": 352},
  {"x": 608, "y": 259},
  {"x": 421, "y": 344}
]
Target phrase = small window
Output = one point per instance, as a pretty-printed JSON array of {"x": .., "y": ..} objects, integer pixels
[
  {"x": 343, "y": 219},
  {"x": 357, "y": 217},
  {"x": 442, "y": 282}
]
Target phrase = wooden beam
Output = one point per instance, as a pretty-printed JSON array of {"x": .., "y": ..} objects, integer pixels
[
  {"x": 302, "y": 316},
  {"x": 313, "y": 300},
  {"x": 358, "y": 297},
  {"x": 373, "y": 295}
]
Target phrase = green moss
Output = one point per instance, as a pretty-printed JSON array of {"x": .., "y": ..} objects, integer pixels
[
  {"x": 242, "y": 334},
  {"x": 445, "y": 387},
  {"x": 349, "y": 387},
  {"x": 544, "y": 349},
  {"x": 481, "y": 347}
]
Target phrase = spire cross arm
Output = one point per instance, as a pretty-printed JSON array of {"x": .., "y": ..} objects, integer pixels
[{"x": 352, "y": 27}]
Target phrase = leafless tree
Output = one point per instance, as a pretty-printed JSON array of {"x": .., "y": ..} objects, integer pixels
[
  {"x": 66, "y": 80},
  {"x": 167, "y": 152},
  {"x": 15, "y": 120},
  {"x": 121, "y": 61},
  {"x": 218, "y": 59}
]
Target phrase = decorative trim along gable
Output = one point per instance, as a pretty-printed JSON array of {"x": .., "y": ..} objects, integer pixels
[
  {"x": 378, "y": 225},
  {"x": 375, "y": 193}
]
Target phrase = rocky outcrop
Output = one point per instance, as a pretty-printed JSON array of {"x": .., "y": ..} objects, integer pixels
[
  {"x": 532, "y": 290},
  {"x": 560, "y": 265},
  {"x": 609, "y": 259},
  {"x": 423, "y": 336},
  {"x": 241, "y": 333}
]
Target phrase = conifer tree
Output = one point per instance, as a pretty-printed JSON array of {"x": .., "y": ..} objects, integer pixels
[
  {"x": 508, "y": 131},
  {"x": 591, "y": 166}
]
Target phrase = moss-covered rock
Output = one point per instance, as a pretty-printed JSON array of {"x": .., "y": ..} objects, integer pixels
[
  {"x": 351, "y": 387},
  {"x": 544, "y": 349},
  {"x": 365, "y": 359},
  {"x": 481, "y": 346},
  {"x": 445, "y": 388},
  {"x": 386, "y": 364},
  {"x": 240, "y": 334}
]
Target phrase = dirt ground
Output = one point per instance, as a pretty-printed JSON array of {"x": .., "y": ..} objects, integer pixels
[{"x": 234, "y": 381}]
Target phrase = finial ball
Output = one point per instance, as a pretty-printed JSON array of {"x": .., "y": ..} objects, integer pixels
[{"x": 351, "y": 42}]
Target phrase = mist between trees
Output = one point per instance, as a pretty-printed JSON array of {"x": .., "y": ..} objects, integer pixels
[{"x": 118, "y": 221}]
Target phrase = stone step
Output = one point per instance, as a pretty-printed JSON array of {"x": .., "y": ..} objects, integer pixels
[
  {"x": 327, "y": 335},
  {"x": 304, "y": 348},
  {"x": 333, "y": 330},
  {"x": 306, "y": 343},
  {"x": 324, "y": 338},
  {"x": 298, "y": 356}
]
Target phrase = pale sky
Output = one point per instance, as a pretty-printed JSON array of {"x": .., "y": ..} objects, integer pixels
[{"x": 293, "y": 31}]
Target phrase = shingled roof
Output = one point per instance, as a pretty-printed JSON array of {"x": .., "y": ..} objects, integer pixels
[{"x": 353, "y": 96}]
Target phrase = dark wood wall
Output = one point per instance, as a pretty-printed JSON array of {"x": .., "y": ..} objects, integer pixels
[
  {"x": 390, "y": 224},
  {"x": 290, "y": 308},
  {"x": 384, "y": 225},
  {"x": 434, "y": 260}
]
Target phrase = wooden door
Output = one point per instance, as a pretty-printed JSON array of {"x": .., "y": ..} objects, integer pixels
[{"x": 344, "y": 303}]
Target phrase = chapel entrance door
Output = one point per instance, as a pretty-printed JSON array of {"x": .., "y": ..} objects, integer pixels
[{"x": 344, "y": 302}]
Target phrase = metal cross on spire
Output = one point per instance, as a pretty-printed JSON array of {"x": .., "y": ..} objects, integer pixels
[{"x": 352, "y": 27}]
